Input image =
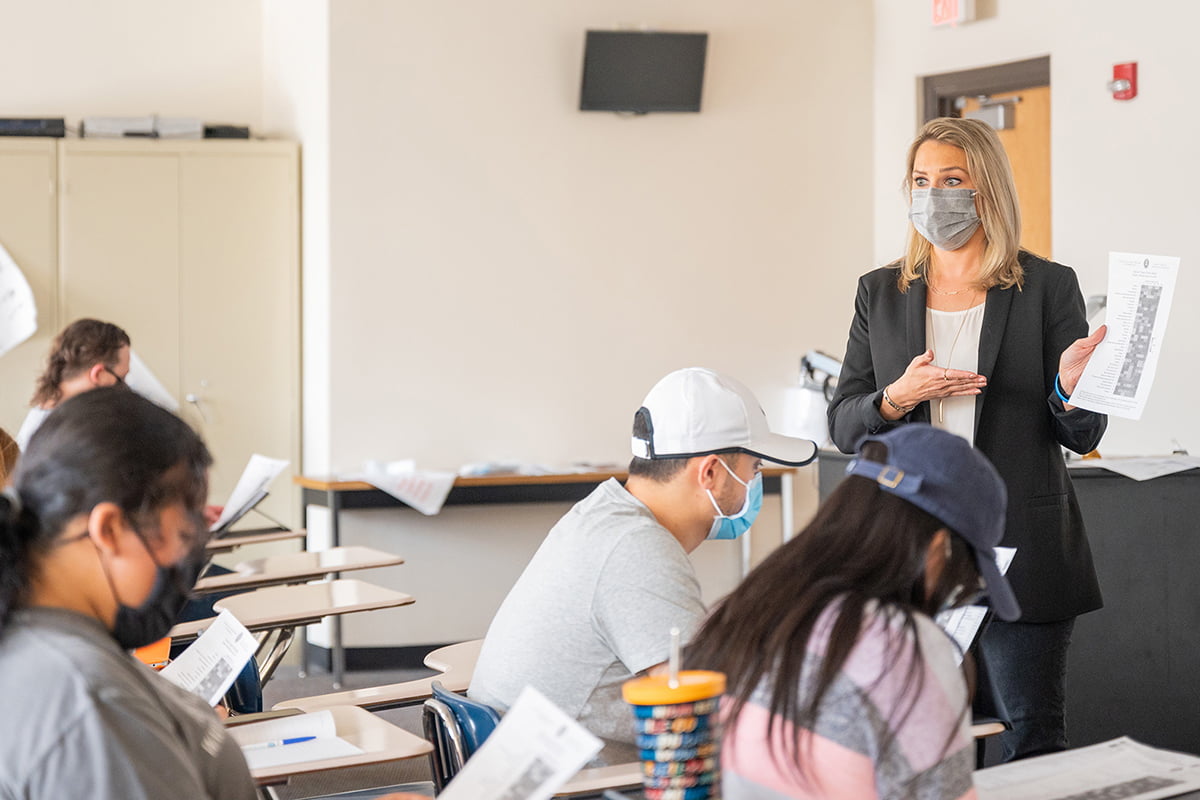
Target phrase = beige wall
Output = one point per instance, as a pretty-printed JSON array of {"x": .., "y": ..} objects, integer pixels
[
  {"x": 1124, "y": 173},
  {"x": 77, "y": 58},
  {"x": 510, "y": 275}
]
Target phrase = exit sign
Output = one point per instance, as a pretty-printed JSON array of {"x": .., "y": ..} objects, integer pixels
[{"x": 952, "y": 12}]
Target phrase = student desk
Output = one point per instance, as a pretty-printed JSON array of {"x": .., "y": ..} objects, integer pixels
[
  {"x": 380, "y": 741},
  {"x": 282, "y": 609},
  {"x": 340, "y": 496},
  {"x": 455, "y": 663},
  {"x": 232, "y": 541},
  {"x": 296, "y": 568}
]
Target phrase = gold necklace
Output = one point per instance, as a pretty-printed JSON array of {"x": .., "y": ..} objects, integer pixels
[{"x": 938, "y": 291}]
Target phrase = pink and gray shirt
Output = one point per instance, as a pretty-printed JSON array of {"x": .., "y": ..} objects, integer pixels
[{"x": 930, "y": 754}]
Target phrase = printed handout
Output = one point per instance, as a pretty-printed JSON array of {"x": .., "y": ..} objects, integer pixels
[{"x": 1118, "y": 377}]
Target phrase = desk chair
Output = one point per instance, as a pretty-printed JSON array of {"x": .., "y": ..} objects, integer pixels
[
  {"x": 456, "y": 662},
  {"x": 457, "y": 726}
]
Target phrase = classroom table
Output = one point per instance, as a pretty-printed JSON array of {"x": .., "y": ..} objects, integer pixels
[
  {"x": 282, "y": 609},
  {"x": 455, "y": 664},
  {"x": 235, "y": 539},
  {"x": 296, "y": 568},
  {"x": 339, "y": 495},
  {"x": 380, "y": 741}
]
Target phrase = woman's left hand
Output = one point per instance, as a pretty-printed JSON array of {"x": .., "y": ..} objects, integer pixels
[{"x": 1076, "y": 357}]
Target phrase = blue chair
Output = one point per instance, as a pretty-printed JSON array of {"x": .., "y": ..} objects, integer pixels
[{"x": 456, "y": 726}]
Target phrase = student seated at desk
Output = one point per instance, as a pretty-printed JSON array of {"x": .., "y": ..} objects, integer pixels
[
  {"x": 101, "y": 535},
  {"x": 595, "y": 605},
  {"x": 839, "y": 682}
]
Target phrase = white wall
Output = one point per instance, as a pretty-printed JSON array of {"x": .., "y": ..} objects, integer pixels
[
  {"x": 1124, "y": 174},
  {"x": 76, "y": 58},
  {"x": 295, "y": 68},
  {"x": 510, "y": 275}
]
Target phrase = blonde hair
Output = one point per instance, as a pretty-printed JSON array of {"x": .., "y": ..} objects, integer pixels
[{"x": 987, "y": 164}]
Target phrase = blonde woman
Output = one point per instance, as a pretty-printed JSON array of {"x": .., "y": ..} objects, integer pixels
[{"x": 974, "y": 335}]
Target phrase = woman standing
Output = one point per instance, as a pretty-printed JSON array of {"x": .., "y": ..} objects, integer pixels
[
  {"x": 985, "y": 340},
  {"x": 840, "y": 684}
]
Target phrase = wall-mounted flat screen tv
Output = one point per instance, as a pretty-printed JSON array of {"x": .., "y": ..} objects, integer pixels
[{"x": 642, "y": 71}]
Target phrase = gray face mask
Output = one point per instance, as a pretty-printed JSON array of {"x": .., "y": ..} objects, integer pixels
[{"x": 946, "y": 217}]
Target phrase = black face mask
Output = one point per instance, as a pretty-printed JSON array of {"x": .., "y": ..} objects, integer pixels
[{"x": 145, "y": 624}]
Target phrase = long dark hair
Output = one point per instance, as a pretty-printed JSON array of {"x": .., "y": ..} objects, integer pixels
[
  {"x": 106, "y": 445},
  {"x": 79, "y": 346},
  {"x": 865, "y": 548}
]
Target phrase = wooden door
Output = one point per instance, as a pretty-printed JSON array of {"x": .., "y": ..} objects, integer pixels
[
  {"x": 239, "y": 282},
  {"x": 1028, "y": 148},
  {"x": 119, "y": 245},
  {"x": 29, "y": 231}
]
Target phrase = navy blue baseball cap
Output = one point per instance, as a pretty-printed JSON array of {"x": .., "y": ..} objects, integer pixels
[{"x": 943, "y": 475}]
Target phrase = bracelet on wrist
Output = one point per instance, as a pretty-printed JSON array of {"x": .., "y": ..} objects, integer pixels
[
  {"x": 887, "y": 398},
  {"x": 1058, "y": 389}
]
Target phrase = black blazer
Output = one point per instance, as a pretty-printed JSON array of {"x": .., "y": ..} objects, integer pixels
[{"x": 1019, "y": 420}]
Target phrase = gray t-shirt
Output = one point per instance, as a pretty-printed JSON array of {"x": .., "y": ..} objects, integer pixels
[
  {"x": 82, "y": 718},
  {"x": 594, "y": 607}
]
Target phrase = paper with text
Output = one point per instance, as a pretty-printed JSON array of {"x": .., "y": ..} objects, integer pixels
[
  {"x": 1118, "y": 377},
  {"x": 18, "y": 312},
  {"x": 963, "y": 623},
  {"x": 211, "y": 663},
  {"x": 319, "y": 725},
  {"x": 535, "y": 750},
  {"x": 1120, "y": 768},
  {"x": 251, "y": 487},
  {"x": 424, "y": 490}
]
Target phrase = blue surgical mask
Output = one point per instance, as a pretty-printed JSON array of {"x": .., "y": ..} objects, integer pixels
[{"x": 731, "y": 526}]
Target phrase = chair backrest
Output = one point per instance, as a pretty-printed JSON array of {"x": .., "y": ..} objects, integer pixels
[{"x": 456, "y": 726}]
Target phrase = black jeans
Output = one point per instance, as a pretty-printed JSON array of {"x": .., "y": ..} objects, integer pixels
[{"x": 1026, "y": 664}]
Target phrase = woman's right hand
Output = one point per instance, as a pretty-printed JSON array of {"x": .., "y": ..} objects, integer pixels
[{"x": 923, "y": 380}]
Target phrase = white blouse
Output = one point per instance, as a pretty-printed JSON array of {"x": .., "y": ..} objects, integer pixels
[{"x": 953, "y": 336}]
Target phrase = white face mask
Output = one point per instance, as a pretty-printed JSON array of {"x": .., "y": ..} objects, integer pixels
[{"x": 945, "y": 217}]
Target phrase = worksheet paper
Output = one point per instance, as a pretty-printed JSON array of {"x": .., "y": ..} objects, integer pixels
[
  {"x": 320, "y": 725},
  {"x": 1120, "y": 769},
  {"x": 535, "y": 750},
  {"x": 424, "y": 490},
  {"x": 211, "y": 663},
  {"x": 18, "y": 313},
  {"x": 251, "y": 487},
  {"x": 1141, "y": 468},
  {"x": 1118, "y": 377},
  {"x": 147, "y": 384},
  {"x": 963, "y": 623}
]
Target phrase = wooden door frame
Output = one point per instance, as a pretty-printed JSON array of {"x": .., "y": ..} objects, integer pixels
[{"x": 938, "y": 92}]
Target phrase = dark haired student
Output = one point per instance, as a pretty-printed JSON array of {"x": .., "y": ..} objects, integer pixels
[
  {"x": 86, "y": 355},
  {"x": 596, "y": 604},
  {"x": 101, "y": 534},
  {"x": 840, "y": 684}
]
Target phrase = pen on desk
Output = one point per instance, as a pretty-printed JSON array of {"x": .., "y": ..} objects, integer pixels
[{"x": 278, "y": 743}]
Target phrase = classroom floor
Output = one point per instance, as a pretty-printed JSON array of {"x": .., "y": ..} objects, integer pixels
[{"x": 285, "y": 685}]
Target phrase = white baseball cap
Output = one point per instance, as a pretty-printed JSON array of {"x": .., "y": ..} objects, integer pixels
[{"x": 695, "y": 411}]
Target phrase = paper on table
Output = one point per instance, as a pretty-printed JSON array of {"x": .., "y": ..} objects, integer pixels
[
  {"x": 145, "y": 383},
  {"x": 424, "y": 490},
  {"x": 259, "y": 473},
  {"x": 535, "y": 750},
  {"x": 320, "y": 724},
  {"x": 211, "y": 664},
  {"x": 1118, "y": 768},
  {"x": 18, "y": 312},
  {"x": 1141, "y": 468},
  {"x": 963, "y": 623},
  {"x": 1118, "y": 377}
]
